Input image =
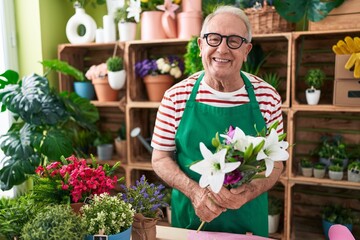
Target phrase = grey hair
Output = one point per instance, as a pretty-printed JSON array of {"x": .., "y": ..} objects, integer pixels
[{"x": 230, "y": 10}]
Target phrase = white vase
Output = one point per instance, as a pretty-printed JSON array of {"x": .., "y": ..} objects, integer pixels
[
  {"x": 273, "y": 221},
  {"x": 117, "y": 79},
  {"x": 109, "y": 29},
  {"x": 312, "y": 96},
  {"x": 78, "y": 19},
  {"x": 127, "y": 31}
]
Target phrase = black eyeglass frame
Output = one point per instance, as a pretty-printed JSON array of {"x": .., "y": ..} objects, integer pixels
[{"x": 243, "y": 40}]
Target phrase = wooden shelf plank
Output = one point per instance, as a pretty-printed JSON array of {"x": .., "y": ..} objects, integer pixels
[{"x": 324, "y": 182}]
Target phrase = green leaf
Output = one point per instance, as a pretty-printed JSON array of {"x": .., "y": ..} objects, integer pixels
[
  {"x": 56, "y": 143},
  {"x": 8, "y": 77},
  {"x": 63, "y": 67}
]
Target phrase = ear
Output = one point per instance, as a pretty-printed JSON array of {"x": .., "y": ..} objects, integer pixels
[
  {"x": 200, "y": 44},
  {"x": 248, "y": 48}
]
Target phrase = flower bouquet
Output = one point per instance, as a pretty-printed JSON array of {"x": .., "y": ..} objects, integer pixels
[
  {"x": 240, "y": 158},
  {"x": 172, "y": 65},
  {"x": 72, "y": 180},
  {"x": 147, "y": 200}
]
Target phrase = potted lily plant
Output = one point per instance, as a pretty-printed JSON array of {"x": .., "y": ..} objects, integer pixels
[
  {"x": 315, "y": 80},
  {"x": 126, "y": 25},
  {"x": 116, "y": 72},
  {"x": 159, "y": 74}
]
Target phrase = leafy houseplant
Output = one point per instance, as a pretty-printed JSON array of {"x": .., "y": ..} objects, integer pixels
[
  {"x": 354, "y": 171},
  {"x": 192, "y": 60},
  {"x": 104, "y": 145},
  {"x": 319, "y": 170},
  {"x": 314, "y": 79},
  {"x": 273, "y": 79},
  {"x": 108, "y": 215},
  {"x": 332, "y": 148},
  {"x": 73, "y": 180},
  {"x": 336, "y": 172},
  {"x": 116, "y": 72},
  {"x": 337, "y": 214},
  {"x": 46, "y": 126},
  {"x": 306, "y": 167},
  {"x": 54, "y": 222},
  {"x": 275, "y": 208}
]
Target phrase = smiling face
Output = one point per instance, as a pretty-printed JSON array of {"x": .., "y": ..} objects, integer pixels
[{"x": 222, "y": 64}]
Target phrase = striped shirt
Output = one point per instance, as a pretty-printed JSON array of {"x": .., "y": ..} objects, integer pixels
[{"x": 173, "y": 104}]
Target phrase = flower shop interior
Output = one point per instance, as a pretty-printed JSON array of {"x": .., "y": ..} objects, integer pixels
[{"x": 52, "y": 129}]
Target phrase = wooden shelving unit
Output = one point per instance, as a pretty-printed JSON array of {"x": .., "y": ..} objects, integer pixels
[{"x": 292, "y": 54}]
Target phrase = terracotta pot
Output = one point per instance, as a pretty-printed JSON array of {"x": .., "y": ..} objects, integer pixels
[
  {"x": 191, "y": 5},
  {"x": 143, "y": 228},
  {"x": 149, "y": 19},
  {"x": 189, "y": 24},
  {"x": 156, "y": 85},
  {"x": 103, "y": 90},
  {"x": 76, "y": 207}
]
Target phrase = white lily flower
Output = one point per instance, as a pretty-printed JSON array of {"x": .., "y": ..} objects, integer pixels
[
  {"x": 272, "y": 151},
  {"x": 213, "y": 168},
  {"x": 242, "y": 141}
]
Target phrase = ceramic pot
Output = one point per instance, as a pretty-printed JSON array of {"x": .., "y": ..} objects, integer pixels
[
  {"x": 191, "y": 5},
  {"x": 336, "y": 175},
  {"x": 319, "y": 173},
  {"x": 273, "y": 221},
  {"x": 117, "y": 79},
  {"x": 85, "y": 90},
  {"x": 80, "y": 18},
  {"x": 125, "y": 235},
  {"x": 353, "y": 176},
  {"x": 105, "y": 151},
  {"x": 127, "y": 31},
  {"x": 189, "y": 24},
  {"x": 312, "y": 96},
  {"x": 103, "y": 90},
  {"x": 156, "y": 85},
  {"x": 307, "y": 172},
  {"x": 149, "y": 19}
]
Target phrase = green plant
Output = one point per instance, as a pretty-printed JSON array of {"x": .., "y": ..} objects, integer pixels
[
  {"x": 273, "y": 79},
  {"x": 313, "y": 10},
  {"x": 319, "y": 166},
  {"x": 54, "y": 222},
  {"x": 192, "y": 60},
  {"x": 46, "y": 124},
  {"x": 332, "y": 148},
  {"x": 255, "y": 59},
  {"x": 354, "y": 166},
  {"x": 114, "y": 64},
  {"x": 102, "y": 138},
  {"x": 108, "y": 213},
  {"x": 15, "y": 213},
  {"x": 315, "y": 78},
  {"x": 336, "y": 168},
  {"x": 306, "y": 163},
  {"x": 275, "y": 205},
  {"x": 150, "y": 5},
  {"x": 64, "y": 68},
  {"x": 92, "y": 3},
  {"x": 338, "y": 214},
  {"x": 121, "y": 15},
  {"x": 122, "y": 132}
]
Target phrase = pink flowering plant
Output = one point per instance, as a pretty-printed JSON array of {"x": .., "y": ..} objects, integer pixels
[
  {"x": 73, "y": 180},
  {"x": 240, "y": 158},
  {"x": 146, "y": 198},
  {"x": 97, "y": 71}
]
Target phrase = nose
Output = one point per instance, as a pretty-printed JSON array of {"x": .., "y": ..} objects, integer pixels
[{"x": 223, "y": 47}]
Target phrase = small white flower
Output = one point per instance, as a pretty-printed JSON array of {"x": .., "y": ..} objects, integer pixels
[
  {"x": 213, "y": 168},
  {"x": 273, "y": 150}
]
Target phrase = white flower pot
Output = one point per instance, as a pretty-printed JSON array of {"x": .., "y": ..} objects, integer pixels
[
  {"x": 117, "y": 79},
  {"x": 336, "y": 175},
  {"x": 319, "y": 173},
  {"x": 353, "y": 177},
  {"x": 127, "y": 31},
  {"x": 312, "y": 96},
  {"x": 273, "y": 223},
  {"x": 307, "y": 172}
]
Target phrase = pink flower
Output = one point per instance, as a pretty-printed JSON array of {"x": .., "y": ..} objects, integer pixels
[{"x": 97, "y": 71}]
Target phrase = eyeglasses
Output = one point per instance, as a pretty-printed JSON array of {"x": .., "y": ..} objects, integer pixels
[{"x": 232, "y": 41}]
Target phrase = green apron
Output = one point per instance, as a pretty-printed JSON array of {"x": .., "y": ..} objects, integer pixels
[{"x": 199, "y": 123}]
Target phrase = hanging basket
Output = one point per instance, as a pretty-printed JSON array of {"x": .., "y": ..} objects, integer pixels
[{"x": 267, "y": 20}]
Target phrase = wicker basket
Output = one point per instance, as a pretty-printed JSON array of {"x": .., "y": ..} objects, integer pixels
[{"x": 267, "y": 20}]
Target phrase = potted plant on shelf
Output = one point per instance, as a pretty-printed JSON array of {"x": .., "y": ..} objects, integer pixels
[
  {"x": 159, "y": 74},
  {"x": 116, "y": 72},
  {"x": 108, "y": 215},
  {"x": 45, "y": 130},
  {"x": 126, "y": 25},
  {"x": 275, "y": 210},
  {"x": 306, "y": 167},
  {"x": 336, "y": 172},
  {"x": 192, "y": 58},
  {"x": 54, "y": 222},
  {"x": 104, "y": 145},
  {"x": 314, "y": 79},
  {"x": 332, "y": 148},
  {"x": 319, "y": 170},
  {"x": 120, "y": 143},
  {"x": 354, "y": 171},
  {"x": 147, "y": 200},
  {"x": 272, "y": 78},
  {"x": 98, "y": 74},
  {"x": 337, "y": 214}
]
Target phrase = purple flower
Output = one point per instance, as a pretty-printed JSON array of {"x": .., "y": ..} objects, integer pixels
[
  {"x": 233, "y": 177},
  {"x": 230, "y": 133},
  {"x": 149, "y": 66}
]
